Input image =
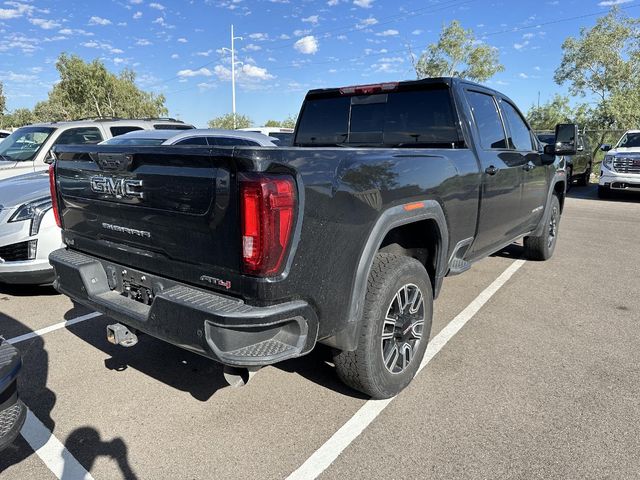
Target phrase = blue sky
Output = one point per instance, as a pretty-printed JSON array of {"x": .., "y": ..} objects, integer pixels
[{"x": 288, "y": 46}]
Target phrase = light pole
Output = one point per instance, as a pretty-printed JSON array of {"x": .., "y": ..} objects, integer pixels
[{"x": 233, "y": 74}]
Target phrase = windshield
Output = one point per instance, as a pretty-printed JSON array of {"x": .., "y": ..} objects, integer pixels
[
  {"x": 24, "y": 144},
  {"x": 414, "y": 118},
  {"x": 547, "y": 138},
  {"x": 629, "y": 140},
  {"x": 134, "y": 141}
]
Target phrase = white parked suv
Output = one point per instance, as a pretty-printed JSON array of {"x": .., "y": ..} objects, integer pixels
[
  {"x": 28, "y": 230},
  {"x": 284, "y": 135},
  {"x": 621, "y": 165},
  {"x": 28, "y": 149}
]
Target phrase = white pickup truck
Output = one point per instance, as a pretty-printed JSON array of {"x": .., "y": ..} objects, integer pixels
[{"x": 621, "y": 165}]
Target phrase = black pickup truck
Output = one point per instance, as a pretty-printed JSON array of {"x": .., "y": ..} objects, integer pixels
[{"x": 251, "y": 256}]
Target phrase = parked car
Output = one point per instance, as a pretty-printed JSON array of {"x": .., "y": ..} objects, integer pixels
[
  {"x": 620, "y": 169},
  {"x": 251, "y": 256},
  {"x": 12, "y": 411},
  {"x": 284, "y": 135},
  {"x": 578, "y": 166},
  {"x": 28, "y": 230},
  {"x": 4, "y": 134},
  {"x": 28, "y": 149},
  {"x": 211, "y": 137}
]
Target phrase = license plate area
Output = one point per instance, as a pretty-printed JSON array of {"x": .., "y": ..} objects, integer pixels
[{"x": 131, "y": 284}]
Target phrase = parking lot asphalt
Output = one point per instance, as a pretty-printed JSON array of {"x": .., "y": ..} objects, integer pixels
[{"x": 543, "y": 382}]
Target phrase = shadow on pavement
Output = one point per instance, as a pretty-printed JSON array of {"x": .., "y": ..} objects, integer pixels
[
  {"x": 84, "y": 443},
  {"x": 190, "y": 372}
]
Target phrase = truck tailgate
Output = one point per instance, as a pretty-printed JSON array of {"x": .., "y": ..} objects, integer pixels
[{"x": 161, "y": 209}]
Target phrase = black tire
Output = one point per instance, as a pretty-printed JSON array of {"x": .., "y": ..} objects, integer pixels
[
  {"x": 542, "y": 247},
  {"x": 364, "y": 369},
  {"x": 583, "y": 181},
  {"x": 604, "y": 192}
]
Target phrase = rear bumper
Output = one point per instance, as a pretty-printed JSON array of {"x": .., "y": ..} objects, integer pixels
[
  {"x": 32, "y": 272},
  {"x": 222, "y": 328},
  {"x": 12, "y": 410}
]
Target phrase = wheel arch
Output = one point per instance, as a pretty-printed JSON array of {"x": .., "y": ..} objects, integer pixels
[{"x": 396, "y": 223}]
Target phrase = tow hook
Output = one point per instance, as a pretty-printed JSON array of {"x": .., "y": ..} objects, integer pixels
[
  {"x": 239, "y": 376},
  {"x": 119, "y": 334}
]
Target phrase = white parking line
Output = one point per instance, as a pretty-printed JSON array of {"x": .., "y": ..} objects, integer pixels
[
  {"x": 51, "y": 451},
  {"x": 52, "y": 328},
  {"x": 327, "y": 453}
]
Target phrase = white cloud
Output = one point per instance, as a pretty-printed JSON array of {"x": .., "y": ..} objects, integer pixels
[
  {"x": 251, "y": 71},
  {"x": 19, "y": 9},
  {"x": 252, "y": 47},
  {"x": 416, "y": 32},
  {"x": 143, "y": 42},
  {"x": 388, "y": 33},
  {"x": 16, "y": 77},
  {"x": 523, "y": 75},
  {"x": 44, "y": 24},
  {"x": 363, "y": 3},
  {"x": 99, "y": 21},
  {"x": 174, "y": 56},
  {"x": 75, "y": 31},
  {"x": 204, "y": 54},
  {"x": 135, "y": 2},
  {"x": 300, "y": 33},
  {"x": 137, "y": 15},
  {"x": 206, "y": 86},
  {"x": 367, "y": 22},
  {"x": 313, "y": 19},
  {"x": 520, "y": 46},
  {"x": 611, "y": 3},
  {"x": 182, "y": 40},
  {"x": 157, "y": 6},
  {"x": 202, "y": 72},
  {"x": 307, "y": 45},
  {"x": 259, "y": 36}
]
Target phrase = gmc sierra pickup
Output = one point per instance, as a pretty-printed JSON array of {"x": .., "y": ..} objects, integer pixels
[{"x": 251, "y": 256}]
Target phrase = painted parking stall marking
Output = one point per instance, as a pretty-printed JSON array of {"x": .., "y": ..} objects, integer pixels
[{"x": 331, "y": 450}]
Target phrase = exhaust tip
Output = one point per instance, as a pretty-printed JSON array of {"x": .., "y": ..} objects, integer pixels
[{"x": 238, "y": 376}]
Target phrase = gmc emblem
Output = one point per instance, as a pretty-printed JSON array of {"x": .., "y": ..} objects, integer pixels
[{"x": 117, "y": 187}]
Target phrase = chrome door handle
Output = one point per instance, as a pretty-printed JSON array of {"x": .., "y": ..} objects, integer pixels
[{"x": 491, "y": 170}]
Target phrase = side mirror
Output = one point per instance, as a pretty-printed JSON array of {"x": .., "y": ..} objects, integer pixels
[
  {"x": 50, "y": 158},
  {"x": 549, "y": 149},
  {"x": 566, "y": 139},
  {"x": 606, "y": 147}
]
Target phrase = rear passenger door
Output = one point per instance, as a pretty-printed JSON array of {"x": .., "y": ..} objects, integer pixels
[
  {"x": 525, "y": 152},
  {"x": 499, "y": 217}
]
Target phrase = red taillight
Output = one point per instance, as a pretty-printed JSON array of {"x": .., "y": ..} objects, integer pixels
[
  {"x": 267, "y": 204},
  {"x": 369, "y": 89},
  {"x": 54, "y": 195}
]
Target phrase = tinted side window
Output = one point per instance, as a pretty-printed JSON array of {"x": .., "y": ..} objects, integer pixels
[
  {"x": 79, "y": 136},
  {"x": 226, "y": 141},
  {"x": 485, "y": 113},
  {"x": 193, "y": 141},
  {"x": 115, "y": 131},
  {"x": 520, "y": 135}
]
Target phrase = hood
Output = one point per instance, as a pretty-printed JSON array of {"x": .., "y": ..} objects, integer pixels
[
  {"x": 624, "y": 150},
  {"x": 19, "y": 190}
]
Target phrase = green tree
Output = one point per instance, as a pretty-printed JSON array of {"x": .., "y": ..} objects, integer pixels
[
  {"x": 226, "y": 121},
  {"x": 18, "y": 118},
  {"x": 458, "y": 54},
  {"x": 289, "y": 122},
  {"x": 603, "y": 65},
  {"x": 548, "y": 115},
  {"x": 90, "y": 90},
  {"x": 273, "y": 123},
  {"x": 3, "y": 100}
]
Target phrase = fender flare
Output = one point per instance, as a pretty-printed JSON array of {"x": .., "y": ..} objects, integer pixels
[{"x": 346, "y": 338}]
